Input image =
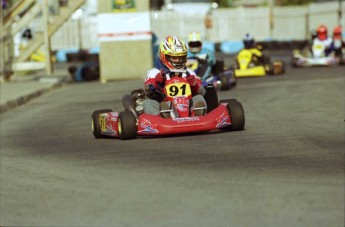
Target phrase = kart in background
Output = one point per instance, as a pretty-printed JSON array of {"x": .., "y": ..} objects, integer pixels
[
  {"x": 314, "y": 57},
  {"x": 218, "y": 75},
  {"x": 225, "y": 114},
  {"x": 247, "y": 65}
]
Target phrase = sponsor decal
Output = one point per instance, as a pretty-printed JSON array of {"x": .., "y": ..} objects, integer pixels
[
  {"x": 181, "y": 103},
  {"x": 186, "y": 119},
  {"x": 148, "y": 127},
  {"x": 103, "y": 121},
  {"x": 223, "y": 120},
  {"x": 123, "y": 5},
  {"x": 182, "y": 107},
  {"x": 109, "y": 123}
]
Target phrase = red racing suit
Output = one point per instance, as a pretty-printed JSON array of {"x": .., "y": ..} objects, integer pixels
[{"x": 155, "y": 82}]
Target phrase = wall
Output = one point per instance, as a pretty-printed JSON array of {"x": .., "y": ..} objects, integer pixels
[
  {"x": 124, "y": 59},
  {"x": 289, "y": 23}
]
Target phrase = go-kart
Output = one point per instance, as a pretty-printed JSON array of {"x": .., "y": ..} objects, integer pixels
[
  {"x": 247, "y": 65},
  {"x": 225, "y": 115},
  {"x": 314, "y": 57},
  {"x": 218, "y": 75}
]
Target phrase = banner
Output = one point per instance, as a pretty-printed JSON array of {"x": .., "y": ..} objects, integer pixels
[
  {"x": 124, "y": 26},
  {"x": 123, "y": 5}
]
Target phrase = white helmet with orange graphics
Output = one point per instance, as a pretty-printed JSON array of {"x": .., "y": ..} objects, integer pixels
[
  {"x": 173, "y": 53},
  {"x": 194, "y": 42}
]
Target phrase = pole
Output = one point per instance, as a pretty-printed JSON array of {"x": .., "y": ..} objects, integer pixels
[
  {"x": 271, "y": 18},
  {"x": 340, "y": 9},
  {"x": 48, "y": 63}
]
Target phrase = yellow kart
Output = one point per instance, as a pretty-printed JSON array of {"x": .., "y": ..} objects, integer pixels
[{"x": 248, "y": 64}]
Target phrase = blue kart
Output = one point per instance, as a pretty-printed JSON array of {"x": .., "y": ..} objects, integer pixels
[{"x": 216, "y": 75}]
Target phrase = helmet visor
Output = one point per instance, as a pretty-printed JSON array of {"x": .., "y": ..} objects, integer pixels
[
  {"x": 177, "y": 61},
  {"x": 194, "y": 44}
]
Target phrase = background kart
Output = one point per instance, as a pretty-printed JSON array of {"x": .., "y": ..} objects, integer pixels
[
  {"x": 248, "y": 66},
  {"x": 218, "y": 75},
  {"x": 314, "y": 57},
  {"x": 225, "y": 115}
]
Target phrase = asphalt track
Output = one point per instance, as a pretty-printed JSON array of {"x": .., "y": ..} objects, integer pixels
[{"x": 285, "y": 169}]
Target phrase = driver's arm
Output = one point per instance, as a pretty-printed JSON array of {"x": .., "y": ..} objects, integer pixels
[
  {"x": 154, "y": 83},
  {"x": 195, "y": 83}
]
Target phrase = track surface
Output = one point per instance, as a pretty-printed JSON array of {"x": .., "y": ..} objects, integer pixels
[{"x": 285, "y": 169}]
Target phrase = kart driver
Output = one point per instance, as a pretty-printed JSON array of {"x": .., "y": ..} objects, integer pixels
[
  {"x": 204, "y": 55},
  {"x": 172, "y": 61},
  {"x": 256, "y": 50},
  {"x": 337, "y": 43},
  {"x": 323, "y": 39}
]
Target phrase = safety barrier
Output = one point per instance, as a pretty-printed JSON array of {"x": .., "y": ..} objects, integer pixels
[{"x": 290, "y": 24}]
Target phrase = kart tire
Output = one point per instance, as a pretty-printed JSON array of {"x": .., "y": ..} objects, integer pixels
[
  {"x": 224, "y": 81},
  {"x": 269, "y": 68},
  {"x": 236, "y": 112},
  {"x": 95, "y": 124},
  {"x": 278, "y": 70},
  {"x": 283, "y": 67},
  {"x": 294, "y": 62},
  {"x": 211, "y": 98},
  {"x": 127, "y": 125},
  {"x": 233, "y": 80}
]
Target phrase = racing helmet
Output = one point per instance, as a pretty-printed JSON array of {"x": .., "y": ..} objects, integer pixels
[
  {"x": 322, "y": 32},
  {"x": 248, "y": 41},
  {"x": 173, "y": 53},
  {"x": 337, "y": 32},
  {"x": 194, "y": 42}
]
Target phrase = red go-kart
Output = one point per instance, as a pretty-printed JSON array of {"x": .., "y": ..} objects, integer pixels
[{"x": 225, "y": 114}]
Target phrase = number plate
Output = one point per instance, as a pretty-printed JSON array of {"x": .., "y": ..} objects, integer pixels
[{"x": 178, "y": 89}]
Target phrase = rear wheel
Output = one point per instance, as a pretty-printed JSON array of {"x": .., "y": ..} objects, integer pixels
[
  {"x": 236, "y": 112},
  {"x": 233, "y": 79},
  {"x": 96, "y": 122},
  {"x": 127, "y": 124},
  {"x": 278, "y": 67},
  {"x": 224, "y": 80}
]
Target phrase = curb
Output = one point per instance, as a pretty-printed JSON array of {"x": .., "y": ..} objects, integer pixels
[{"x": 9, "y": 105}]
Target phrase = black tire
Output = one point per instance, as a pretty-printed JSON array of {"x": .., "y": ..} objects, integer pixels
[
  {"x": 283, "y": 68},
  {"x": 236, "y": 112},
  {"x": 211, "y": 98},
  {"x": 218, "y": 67},
  {"x": 127, "y": 124},
  {"x": 294, "y": 63},
  {"x": 224, "y": 80},
  {"x": 95, "y": 122},
  {"x": 233, "y": 80},
  {"x": 270, "y": 70}
]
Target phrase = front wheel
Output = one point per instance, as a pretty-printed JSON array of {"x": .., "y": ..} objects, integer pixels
[
  {"x": 127, "y": 124},
  {"x": 236, "y": 112},
  {"x": 97, "y": 122}
]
